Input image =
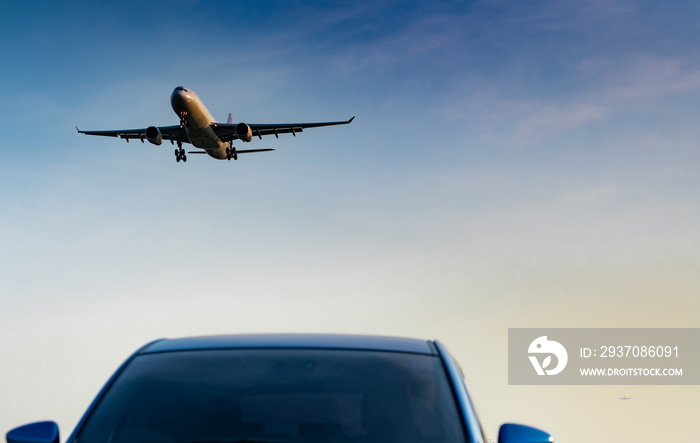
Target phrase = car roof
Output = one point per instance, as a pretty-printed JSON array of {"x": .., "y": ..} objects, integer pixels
[{"x": 292, "y": 341}]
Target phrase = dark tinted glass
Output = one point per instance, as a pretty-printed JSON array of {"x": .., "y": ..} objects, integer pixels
[{"x": 289, "y": 395}]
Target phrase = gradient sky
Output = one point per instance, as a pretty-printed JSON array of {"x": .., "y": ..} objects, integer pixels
[{"x": 512, "y": 164}]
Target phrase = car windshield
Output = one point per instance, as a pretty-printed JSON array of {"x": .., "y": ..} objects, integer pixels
[{"x": 277, "y": 395}]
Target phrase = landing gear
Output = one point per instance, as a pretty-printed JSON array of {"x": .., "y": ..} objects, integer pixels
[
  {"x": 231, "y": 153},
  {"x": 183, "y": 114},
  {"x": 180, "y": 155}
]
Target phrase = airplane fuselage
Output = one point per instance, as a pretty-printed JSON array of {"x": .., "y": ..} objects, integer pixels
[{"x": 197, "y": 120}]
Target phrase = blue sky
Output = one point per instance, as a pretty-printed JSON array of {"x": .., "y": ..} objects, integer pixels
[{"x": 512, "y": 164}]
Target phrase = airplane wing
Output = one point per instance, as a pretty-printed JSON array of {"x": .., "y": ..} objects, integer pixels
[
  {"x": 227, "y": 132},
  {"x": 174, "y": 133}
]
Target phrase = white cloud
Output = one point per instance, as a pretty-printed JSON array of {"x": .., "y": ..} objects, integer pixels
[
  {"x": 550, "y": 118},
  {"x": 643, "y": 77}
]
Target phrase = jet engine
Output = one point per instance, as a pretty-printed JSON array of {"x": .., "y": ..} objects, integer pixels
[
  {"x": 244, "y": 132},
  {"x": 154, "y": 135}
]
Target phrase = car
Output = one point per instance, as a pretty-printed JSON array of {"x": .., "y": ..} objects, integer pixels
[{"x": 283, "y": 388}]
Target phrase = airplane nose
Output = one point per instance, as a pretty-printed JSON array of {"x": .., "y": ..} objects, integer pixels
[{"x": 178, "y": 98}]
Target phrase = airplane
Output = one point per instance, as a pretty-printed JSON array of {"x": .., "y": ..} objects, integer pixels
[
  {"x": 624, "y": 398},
  {"x": 198, "y": 127}
]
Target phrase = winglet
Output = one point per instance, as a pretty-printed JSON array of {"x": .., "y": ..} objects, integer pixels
[{"x": 353, "y": 118}]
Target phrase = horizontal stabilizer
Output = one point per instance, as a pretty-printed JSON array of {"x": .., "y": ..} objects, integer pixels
[{"x": 246, "y": 151}]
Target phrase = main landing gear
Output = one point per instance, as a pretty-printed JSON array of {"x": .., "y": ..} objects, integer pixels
[
  {"x": 180, "y": 153},
  {"x": 231, "y": 153}
]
